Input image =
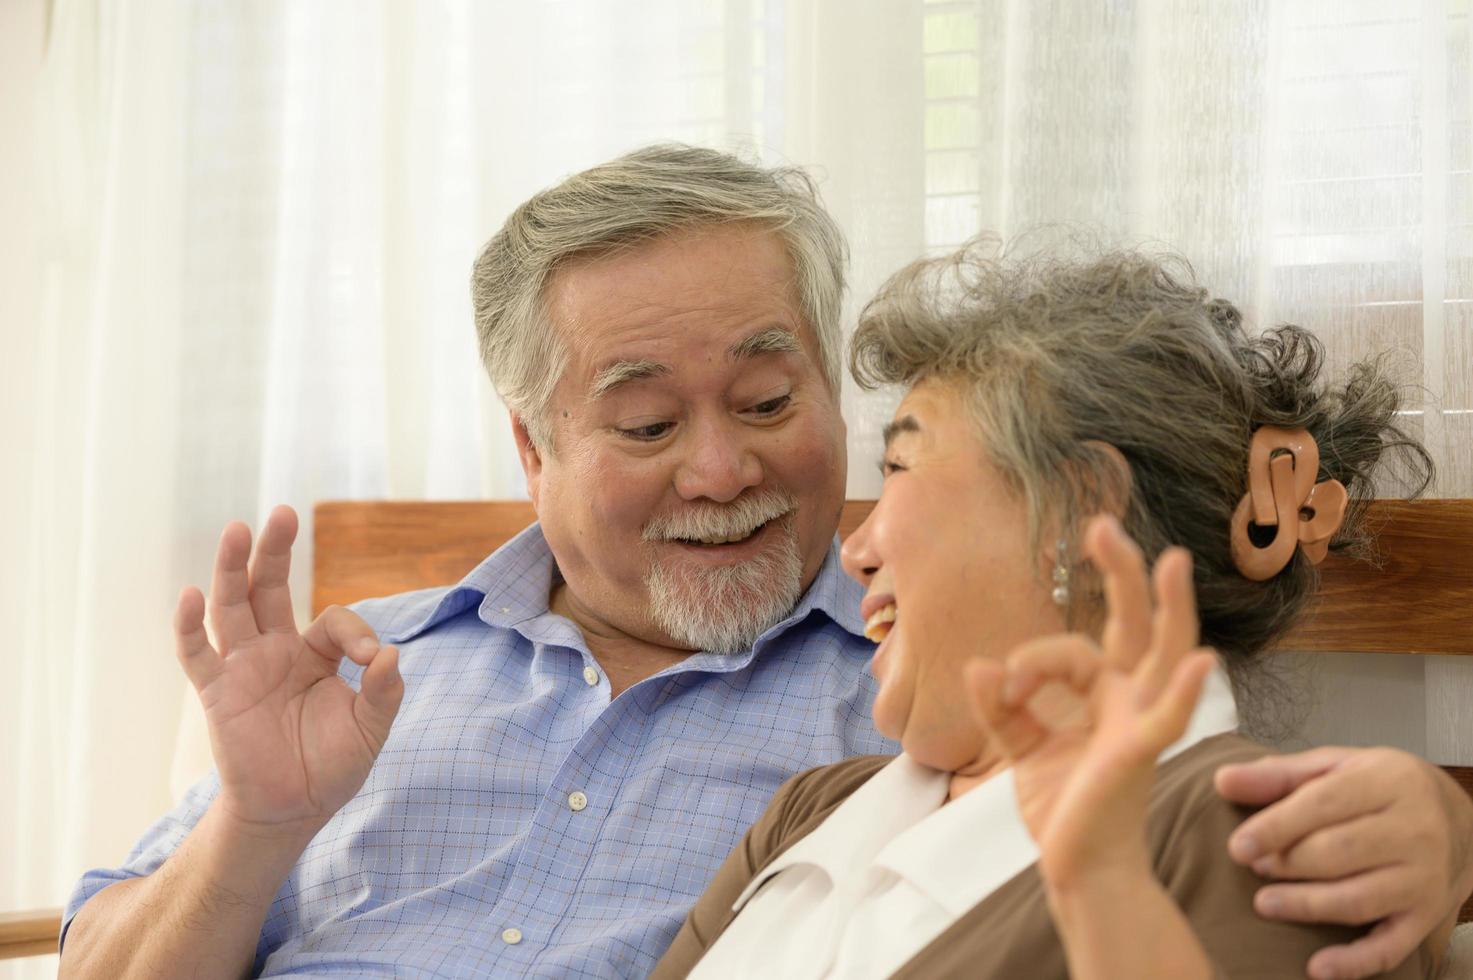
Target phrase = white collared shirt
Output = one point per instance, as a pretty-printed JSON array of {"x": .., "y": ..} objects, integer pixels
[{"x": 891, "y": 869}]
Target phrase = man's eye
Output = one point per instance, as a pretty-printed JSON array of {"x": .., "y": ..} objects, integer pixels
[
  {"x": 647, "y": 433},
  {"x": 773, "y": 405},
  {"x": 889, "y": 466}
]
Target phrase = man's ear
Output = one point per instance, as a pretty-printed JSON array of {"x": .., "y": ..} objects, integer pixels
[{"x": 530, "y": 456}]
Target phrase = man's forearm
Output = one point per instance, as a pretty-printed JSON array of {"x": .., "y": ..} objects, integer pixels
[{"x": 199, "y": 915}]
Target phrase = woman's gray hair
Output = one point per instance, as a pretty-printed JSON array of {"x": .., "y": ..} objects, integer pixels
[
  {"x": 1056, "y": 356},
  {"x": 623, "y": 203}
]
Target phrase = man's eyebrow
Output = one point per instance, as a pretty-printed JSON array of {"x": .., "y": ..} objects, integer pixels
[
  {"x": 906, "y": 423},
  {"x": 773, "y": 340},
  {"x": 623, "y": 372}
]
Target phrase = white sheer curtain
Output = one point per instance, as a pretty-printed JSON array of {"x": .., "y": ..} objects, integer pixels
[{"x": 261, "y": 218}]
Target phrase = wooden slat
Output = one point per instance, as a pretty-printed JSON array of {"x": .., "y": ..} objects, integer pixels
[
  {"x": 29, "y": 933},
  {"x": 368, "y": 548},
  {"x": 1417, "y": 601},
  {"x": 1420, "y": 599},
  {"x": 363, "y": 549}
]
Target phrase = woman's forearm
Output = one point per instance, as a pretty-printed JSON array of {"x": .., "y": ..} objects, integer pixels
[{"x": 1120, "y": 922}]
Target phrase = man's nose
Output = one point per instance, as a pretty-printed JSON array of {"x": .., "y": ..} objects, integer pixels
[{"x": 719, "y": 466}]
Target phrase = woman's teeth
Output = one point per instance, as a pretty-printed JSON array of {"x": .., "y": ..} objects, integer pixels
[{"x": 878, "y": 626}]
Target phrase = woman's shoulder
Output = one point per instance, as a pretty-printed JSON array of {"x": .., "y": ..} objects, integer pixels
[
  {"x": 806, "y": 799},
  {"x": 1187, "y": 829}
]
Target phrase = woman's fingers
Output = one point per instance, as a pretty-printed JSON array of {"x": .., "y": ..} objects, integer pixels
[
  {"x": 1068, "y": 659},
  {"x": 1173, "y": 626},
  {"x": 1122, "y": 569},
  {"x": 1014, "y": 730},
  {"x": 1164, "y": 721},
  {"x": 229, "y": 607},
  {"x": 270, "y": 596},
  {"x": 200, "y": 661}
]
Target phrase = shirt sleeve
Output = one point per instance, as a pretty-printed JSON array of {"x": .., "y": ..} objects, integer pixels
[{"x": 151, "y": 850}]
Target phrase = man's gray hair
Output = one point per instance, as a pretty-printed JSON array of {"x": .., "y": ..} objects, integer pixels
[{"x": 625, "y": 202}]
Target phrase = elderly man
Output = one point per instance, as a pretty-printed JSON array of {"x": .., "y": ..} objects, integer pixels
[{"x": 587, "y": 722}]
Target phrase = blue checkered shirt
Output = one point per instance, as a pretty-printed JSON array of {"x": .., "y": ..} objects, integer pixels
[{"x": 518, "y": 822}]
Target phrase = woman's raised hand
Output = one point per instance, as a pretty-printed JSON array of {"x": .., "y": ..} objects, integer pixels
[
  {"x": 291, "y": 740},
  {"x": 1083, "y": 789}
]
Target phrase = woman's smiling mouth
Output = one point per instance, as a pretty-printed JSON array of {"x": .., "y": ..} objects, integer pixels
[{"x": 879, "y": 617}]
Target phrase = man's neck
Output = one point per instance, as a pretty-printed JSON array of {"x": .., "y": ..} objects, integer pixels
[{"x": 626, "y": 659}]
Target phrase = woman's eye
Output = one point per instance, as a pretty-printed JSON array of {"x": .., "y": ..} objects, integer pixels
[
  {"x": 889, "y": 467},
  {"x": 647, "y": 433},
  {"x": 773, "y": 405}
]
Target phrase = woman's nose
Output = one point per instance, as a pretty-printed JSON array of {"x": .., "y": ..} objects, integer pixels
[{"x": 858, "y": 555}]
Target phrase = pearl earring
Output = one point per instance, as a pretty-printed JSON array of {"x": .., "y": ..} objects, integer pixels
[{"x": 1061, "y": 574}]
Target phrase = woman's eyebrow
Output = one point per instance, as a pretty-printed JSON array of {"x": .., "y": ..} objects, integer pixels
[{"x": 906, "y": 423}]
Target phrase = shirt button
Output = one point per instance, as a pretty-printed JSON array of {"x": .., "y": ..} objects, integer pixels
[
  {"x": 590, "y": 677},
  {"x": 507, "y": 609},
  {"x": 511, "y": 936},
  {"x": 577, "y": 801}
]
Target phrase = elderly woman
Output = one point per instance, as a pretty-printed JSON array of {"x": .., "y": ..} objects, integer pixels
[{"x": 1052, "y": 812}]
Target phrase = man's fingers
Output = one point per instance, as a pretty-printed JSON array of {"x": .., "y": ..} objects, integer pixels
[
  {"x": 231, "y": 616},
  {"x": 270, "y": 596},
  {"x": 1275, "y": 776},
  {"x": 1122, "y": 569},
  {"x": 1068, "y": 659},
  {"x": 339, "y": 632},
  {"x": 1379, "y": 951},
  {"x": 1014, "y": 730},
  {"x": 1334, "y": 798},
  {"x": 1352, "y": 901},
  {"x": 379, "y": 695},
  {"x": 200, "y": 661},
  {"x": 1344, "y": 849}
]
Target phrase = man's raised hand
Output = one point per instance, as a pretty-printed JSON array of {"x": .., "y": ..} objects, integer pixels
[{"x": 291, "y": 740}]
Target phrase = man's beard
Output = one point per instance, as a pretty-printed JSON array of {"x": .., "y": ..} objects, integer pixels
[{"x": 725, "y": 609}]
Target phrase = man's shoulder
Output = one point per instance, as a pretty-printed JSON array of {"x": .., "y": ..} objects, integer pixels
[{"x": 394, "y": 616}]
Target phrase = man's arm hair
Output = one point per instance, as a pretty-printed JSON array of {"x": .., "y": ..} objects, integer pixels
[{"x": 199, "y": 915}]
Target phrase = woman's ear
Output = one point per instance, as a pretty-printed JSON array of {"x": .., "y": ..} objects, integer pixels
[{"x": 1106, "y": 479}]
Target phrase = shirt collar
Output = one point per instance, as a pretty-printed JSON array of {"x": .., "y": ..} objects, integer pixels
[
  {"x": 997, "y": 844},
  {"x": 512, "y": 586},
  {"x": 956, "y": 854}
]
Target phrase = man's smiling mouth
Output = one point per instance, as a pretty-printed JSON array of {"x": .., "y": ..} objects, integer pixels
[{"x": 718, "y": 542}]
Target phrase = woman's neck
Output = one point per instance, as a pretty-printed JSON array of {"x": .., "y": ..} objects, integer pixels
[{"x": 975, "y": 773}]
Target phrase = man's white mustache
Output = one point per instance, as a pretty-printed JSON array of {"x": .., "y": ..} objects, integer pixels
[{"x": 736, "y": 519}]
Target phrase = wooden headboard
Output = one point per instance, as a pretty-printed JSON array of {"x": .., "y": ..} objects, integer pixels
[{"x": 1418, "y": 600}]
